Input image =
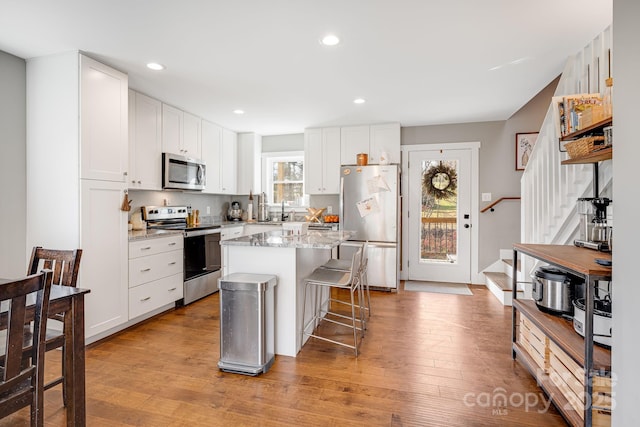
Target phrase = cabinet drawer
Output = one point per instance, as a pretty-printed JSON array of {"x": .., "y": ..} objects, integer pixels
[
  {"x": 147, "y": 297},
  {"x": 147, "y": 247},
  {"x": 149, "y": 268},
  {"x": 227, "y": 233}
]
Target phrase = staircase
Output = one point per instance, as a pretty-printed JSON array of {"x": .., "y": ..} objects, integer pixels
[
  {"x": 549, "y": 190},
  {"x": 499, "y": 278}
]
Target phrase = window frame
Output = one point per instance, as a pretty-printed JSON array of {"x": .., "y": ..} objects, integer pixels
[{"x": 268, "y": 159}]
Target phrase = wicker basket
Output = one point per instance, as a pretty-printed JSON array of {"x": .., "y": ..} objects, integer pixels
[{"x": 583, "y": 146}]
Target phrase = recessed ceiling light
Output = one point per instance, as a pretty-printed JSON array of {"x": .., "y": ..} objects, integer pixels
[
  {"x": 359, "y": 101},
  {"x": 330, "y": 40},
  {"x": 155, "y": 66},
  {"x": 238, "y": 112}
]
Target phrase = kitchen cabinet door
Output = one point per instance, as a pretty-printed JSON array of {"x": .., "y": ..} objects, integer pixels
[
  {"x": 211, "y": 154},
  {"x": 384, "y": 138},
  {"x": 249, "y": 163},
  {"x": 103, "y": 238},
  {"x": 229, "y": 163},
  {"x": 191, "y": 136},
  {"x": 219, "y": 151},
  {"x": 145, "y": 142},
  {"x": 172, "y": 123},
  {"x": 353, "y": 140},
  {"x": 104, "y": 122},
  {"x": 322, "y": 161},
  {"x": 313, "y": 181}
]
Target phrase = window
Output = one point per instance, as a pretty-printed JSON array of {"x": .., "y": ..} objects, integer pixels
[{"x": 284, "y": 178}]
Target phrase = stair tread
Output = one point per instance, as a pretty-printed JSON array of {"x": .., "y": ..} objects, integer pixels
[
  {"x": 501, "y": 280},
  {"x": 510, "y": 262}
]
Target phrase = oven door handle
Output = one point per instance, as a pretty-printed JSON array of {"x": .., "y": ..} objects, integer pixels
[{"x": 195, "y": 233}]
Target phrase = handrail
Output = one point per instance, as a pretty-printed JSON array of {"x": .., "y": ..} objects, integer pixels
[{"x": 486, "y": 208}]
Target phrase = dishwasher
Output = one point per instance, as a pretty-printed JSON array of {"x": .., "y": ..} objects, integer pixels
[{"x": 246, "y": 323}]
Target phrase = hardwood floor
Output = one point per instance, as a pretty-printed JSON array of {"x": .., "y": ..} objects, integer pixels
[{"x": 427, "y": 360}]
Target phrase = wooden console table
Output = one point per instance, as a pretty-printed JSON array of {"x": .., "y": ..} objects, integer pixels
[{"x": 579, "y": 262}]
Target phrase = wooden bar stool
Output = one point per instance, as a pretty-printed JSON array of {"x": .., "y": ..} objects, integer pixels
[{"x": 328, "y": 278}]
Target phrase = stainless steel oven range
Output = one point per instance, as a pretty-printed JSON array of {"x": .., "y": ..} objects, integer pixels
[{"x": 202, "y": 256}]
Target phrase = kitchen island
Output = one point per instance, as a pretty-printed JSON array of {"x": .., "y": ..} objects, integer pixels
[{"x": 291, "y": 258}]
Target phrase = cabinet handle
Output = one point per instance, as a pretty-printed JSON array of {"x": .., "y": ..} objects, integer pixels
[
  {"x": 172, "y": 244},
  {"x": 146, "y": 248},
  {"x": 172, "y": 263},
  {"x": 145, "y": 270},
  {"x": 139, "y": 182},
  {"x": 125, "y": 173},
  {"x": 172, "y": 289},
  {"x": 145, "y": 299}
]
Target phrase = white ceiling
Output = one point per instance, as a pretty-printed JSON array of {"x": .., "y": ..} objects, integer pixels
[{"x": 418, "y": 62}]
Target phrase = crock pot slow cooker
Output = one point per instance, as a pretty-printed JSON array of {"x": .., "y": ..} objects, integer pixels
[
  {"x": 555, "y": 289},
  {"x": 601, "y": 319}
]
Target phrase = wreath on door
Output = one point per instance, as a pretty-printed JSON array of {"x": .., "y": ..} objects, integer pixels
[{"x": 440, "y": 181}]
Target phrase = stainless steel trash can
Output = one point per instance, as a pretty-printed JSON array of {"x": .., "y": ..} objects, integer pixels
[{"x": 246, "y": 323}]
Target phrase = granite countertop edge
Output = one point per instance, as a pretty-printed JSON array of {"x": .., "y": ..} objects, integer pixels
[{"x": 313, "y": 239}]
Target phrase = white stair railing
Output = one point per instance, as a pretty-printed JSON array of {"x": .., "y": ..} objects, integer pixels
[{"x": 549, "y": 190}]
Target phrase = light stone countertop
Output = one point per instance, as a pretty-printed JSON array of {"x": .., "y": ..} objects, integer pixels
[
  {"x": 318, "y": 239},
  {"x": 151, "y": 234}
]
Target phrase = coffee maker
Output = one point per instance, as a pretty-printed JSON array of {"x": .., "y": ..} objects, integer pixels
[{"x": 595, "y": 233}]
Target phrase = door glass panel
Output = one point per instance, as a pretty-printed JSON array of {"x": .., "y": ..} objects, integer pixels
[{"x": 439, "y": 212}]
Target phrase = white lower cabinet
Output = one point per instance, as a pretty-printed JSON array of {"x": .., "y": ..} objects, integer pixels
[
  {"x": 152, "y": 295},
  {"x": 232, "y": 232},
  {"x": 103, "y": 268},
  {"x": 155, "y": 273}
]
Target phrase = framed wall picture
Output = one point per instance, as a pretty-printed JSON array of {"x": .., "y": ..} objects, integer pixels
[{"x": 524, "y": 145}]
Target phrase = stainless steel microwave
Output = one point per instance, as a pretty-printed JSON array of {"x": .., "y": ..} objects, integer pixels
[{"x": 182, "y": 173}]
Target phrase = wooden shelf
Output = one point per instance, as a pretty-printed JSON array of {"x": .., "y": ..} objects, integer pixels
[
  {"x": 594, "y": 127},
  {"x": 580, "y": 261},
  {"x": 594, "y": 157},
  {"x": 551, "y": 390},
  {"x": 561, "y": 332}
]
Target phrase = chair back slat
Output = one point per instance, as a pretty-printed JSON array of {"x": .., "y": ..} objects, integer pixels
[
  {"x": 17, "y": 371},
  {"x": 64, "y": 263}
]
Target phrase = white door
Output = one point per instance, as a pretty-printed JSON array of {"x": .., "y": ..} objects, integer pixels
[{"x": 439, "y": 215}]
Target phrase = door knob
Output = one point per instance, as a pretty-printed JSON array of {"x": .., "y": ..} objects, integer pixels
[{"x": 467, "y": 226}]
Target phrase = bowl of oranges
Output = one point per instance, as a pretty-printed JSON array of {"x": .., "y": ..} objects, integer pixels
[{"x": 331, "y": 219}]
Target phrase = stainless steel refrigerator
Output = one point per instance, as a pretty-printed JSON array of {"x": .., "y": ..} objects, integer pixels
[{"x": 369, "y": 205}]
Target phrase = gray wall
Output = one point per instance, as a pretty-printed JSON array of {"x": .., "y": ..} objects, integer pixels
[
  {"x": 13, "y": 252},
  {"x": 626, "y": 291},
  {"x": 499, "y": 229},
  {"x": 275, "y": 143}
]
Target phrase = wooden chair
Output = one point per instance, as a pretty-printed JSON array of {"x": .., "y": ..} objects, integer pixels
[
  {"x": 64, "y": 265},
  {"x": 22, "y": 382}
]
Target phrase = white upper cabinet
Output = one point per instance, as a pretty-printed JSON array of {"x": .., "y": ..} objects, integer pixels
[
  {"x": 104, "y": 117},
  {"x": 191, "y": 136},
  {"x": 353, "y": 140},
  {"x": 322, "y": 161},
  {"x": 229, "y": 162},
  {"x": 249, "y": 163},
  {"x": 384, "y": 138},
  {"x": 181, "y": 132},
  {"x": 145, "y": 142},
  {"x": 220, "y": 155},
  {"x": 372, "y": 140}
]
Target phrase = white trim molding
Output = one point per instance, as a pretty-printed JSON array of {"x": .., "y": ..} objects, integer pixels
[{"x": 476, "y": 276}]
